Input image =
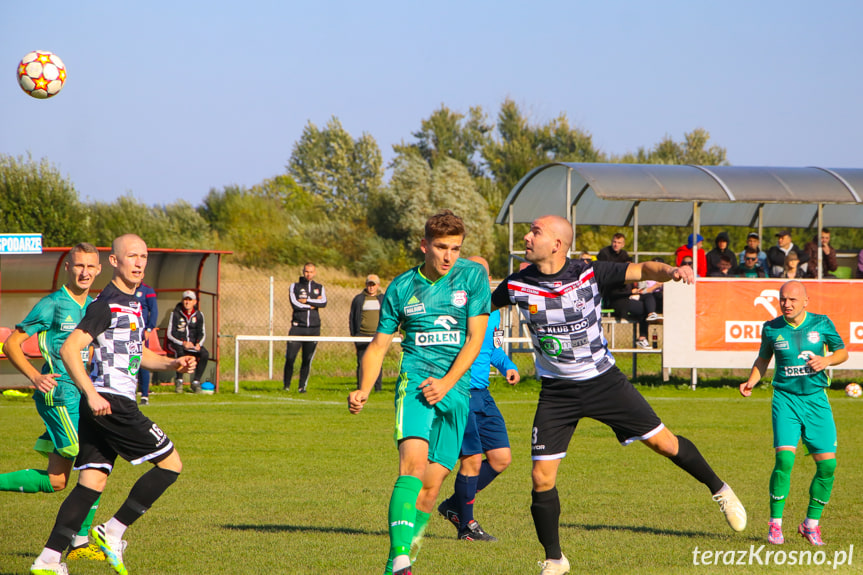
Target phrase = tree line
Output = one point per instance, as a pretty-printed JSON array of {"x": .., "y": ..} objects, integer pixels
[{"x": 333, "y": 190}]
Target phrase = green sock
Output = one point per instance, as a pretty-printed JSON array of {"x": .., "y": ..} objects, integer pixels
[
  {"x": 420, "y": 524},
  {"x": 402, "y": 514},
  {"x": 26, "y": 481},
  {"x": 821, "y": 487},
  {"x": 780, "y": 482},
  {"x": 88, "y": 521}
]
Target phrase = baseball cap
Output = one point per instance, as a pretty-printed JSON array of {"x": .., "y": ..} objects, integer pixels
[
  {"x": 189, "y": 294},
  {"x": 783, "y": 233},
  {"x": 372, "y": 278},
  {"x": 752, "y": 235}
]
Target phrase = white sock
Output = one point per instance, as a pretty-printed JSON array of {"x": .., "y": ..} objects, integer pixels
[
  {"x": 401, "y": 561},
  {"x": 776, "y": 520},
  {"x": 810, "y": 522},
  {"x": 48, "y": 556},
  {"x": 114, "y": 529},
  {"x": 80, "y": 541}
]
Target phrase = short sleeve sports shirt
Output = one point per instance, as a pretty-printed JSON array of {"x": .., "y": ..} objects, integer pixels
[
  {"x": 54, "y": 318},
  {"x": 115, "y": 322},
  {"x": 434, "y": 315},
  {"x": 793, "y": 346},
  {"x": 564, "y": 314}
]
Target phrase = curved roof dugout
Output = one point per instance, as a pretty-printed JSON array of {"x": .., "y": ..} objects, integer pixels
[{"x": 649, "y": 194}]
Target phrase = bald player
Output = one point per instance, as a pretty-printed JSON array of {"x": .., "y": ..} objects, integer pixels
[{"x": 560, "y": 300}]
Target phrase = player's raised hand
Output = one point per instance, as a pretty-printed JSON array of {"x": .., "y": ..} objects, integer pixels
[
  {"x": 356, "y": 400},
  {"x": 45, "y": 382},
  {"x": 684, "y": 274},
  {"x": 512, "y": 376}
]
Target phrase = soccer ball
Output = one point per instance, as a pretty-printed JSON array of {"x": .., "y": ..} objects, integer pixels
[
  {"x": 41, "y": 74},
  {"x": 853, "y": 390}
]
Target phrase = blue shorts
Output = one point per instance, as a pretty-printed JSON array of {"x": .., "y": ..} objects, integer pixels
[{"x": 485, "y": 427}]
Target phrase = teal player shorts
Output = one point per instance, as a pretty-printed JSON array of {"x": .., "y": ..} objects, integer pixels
[
  {"x": 806, "y": 416},
  {"x": 61, "y": 429},
  {"x": 442, "y": 425}
]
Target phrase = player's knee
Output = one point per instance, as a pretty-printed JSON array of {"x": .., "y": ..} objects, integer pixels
[
  {"x": 58, "y": 482},
  {"x": 543, "y": 480},
  {"x": 784, "y": 461},
  {"x": 825, "y": 468},
  {"x": 500, "y": 461}
]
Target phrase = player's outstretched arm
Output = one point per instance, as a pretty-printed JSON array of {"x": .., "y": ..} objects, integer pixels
[
  {"x": 71, "y": 355},
  {"x": 759, "y": 368},
  {"x": 373, "y": 360},
  {"x": 12, "y": 348},
  {"x": 659, "y": 272},
  {"x": 155, "y": 362}
]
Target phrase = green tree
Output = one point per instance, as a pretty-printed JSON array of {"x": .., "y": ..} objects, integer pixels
[
  {"x": 342, "y": 171},
  {"x": 448, "y": 134},
  {"x": 692, "y": 150},
  {"x": 35, "y": 198},
  {"x": 417, "y": 191},
  {"x": 174, "y": 226}
]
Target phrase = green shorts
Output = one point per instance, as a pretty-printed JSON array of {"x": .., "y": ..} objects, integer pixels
[
  {"x": 442, "y": 425},
  {"x": 806, "y": 416},
  {"x": 61, "y": 429}
]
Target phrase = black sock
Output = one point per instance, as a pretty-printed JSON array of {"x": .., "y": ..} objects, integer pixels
[
  {"x": 71, "y": 516},
  {"x": 545, "y": 508},
  {"x": 144, "y": 493},
  {"x": 690, "y": 460}
]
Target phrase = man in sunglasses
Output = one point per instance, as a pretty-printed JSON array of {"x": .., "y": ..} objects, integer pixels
[{"x": 750, "y": 268}]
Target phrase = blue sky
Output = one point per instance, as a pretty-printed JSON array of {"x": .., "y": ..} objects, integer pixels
[{"x": 169, "y": 102}]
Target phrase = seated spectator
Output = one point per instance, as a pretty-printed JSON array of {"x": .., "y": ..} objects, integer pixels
[
  {"x": 750, "y": 268},
  {"x": 586, "y": 257},
  {"x": 860, "y": 265},
  {"x": 726, "y": 262},
  {"x": 828, "y": 256},
  {"x": 631, "y": 304},
  {"x": 791, "y": 268},
  {"x": 754, "y": 241},
  {"x": 686, "y": 250},
  {"x": 776, "y": 254},
  {"x": 186, "y": 334},
  {"x": 614, "y": 252},
  {"x": 720, "y": 249},
  {"x": 649, "y": 288}
]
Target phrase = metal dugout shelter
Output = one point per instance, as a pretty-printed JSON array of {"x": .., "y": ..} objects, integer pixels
[
  {"x": 26, "y": 278},
  {"x": 690, "y": 196}
]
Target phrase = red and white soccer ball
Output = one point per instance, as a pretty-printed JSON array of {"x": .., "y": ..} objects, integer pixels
[
  {"x": 853, "y": 390},
  {"x": 41, "y": 74}
]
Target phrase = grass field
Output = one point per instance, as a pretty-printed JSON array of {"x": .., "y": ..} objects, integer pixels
[{"x": 282, "y": 483}]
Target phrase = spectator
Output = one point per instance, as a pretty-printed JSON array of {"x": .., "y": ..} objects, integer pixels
[
  {"x": 630, "y": 303},
  {"x": 726, "y": 262},
  {"x": 860, "y": 265},
  {"x": 150, "y": 313},
  {"x": 753, "y": 240},
  {"x": 693, "y": 241},
  {"x": 654, "y": 288},
  {"x": 365, "y": 314},
  {"x": 614, "y": 252},
  {"x": 776, "y": 254},
  {"x": 791, "y": 268},
  {"x": 586, "y": 257},
  {"x": 186, "y": 334},
  {"x": 828, "y": 257},
  {"x": 750, "y": 268},
  {"x": 307, "y": 297},
  {"x": 720, "y": 248}
]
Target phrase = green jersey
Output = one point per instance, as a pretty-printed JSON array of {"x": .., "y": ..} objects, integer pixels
[
  {"x": 54, "y": 318},
  {"x": 793, "y": 346},
  {"x": 434, "y": 315}
]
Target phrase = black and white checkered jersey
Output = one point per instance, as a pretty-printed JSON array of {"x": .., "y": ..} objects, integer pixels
[
  {"x": 564, "y": 314},
  {"x": 116, "y": 323}
]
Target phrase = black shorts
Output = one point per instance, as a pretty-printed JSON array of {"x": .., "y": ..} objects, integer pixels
[
  {"x": 125, "y": 432},
  {"x": 609, "y": 398}
]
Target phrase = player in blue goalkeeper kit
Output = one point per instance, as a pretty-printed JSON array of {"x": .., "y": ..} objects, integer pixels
[{"x": 799, "y": 341}]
